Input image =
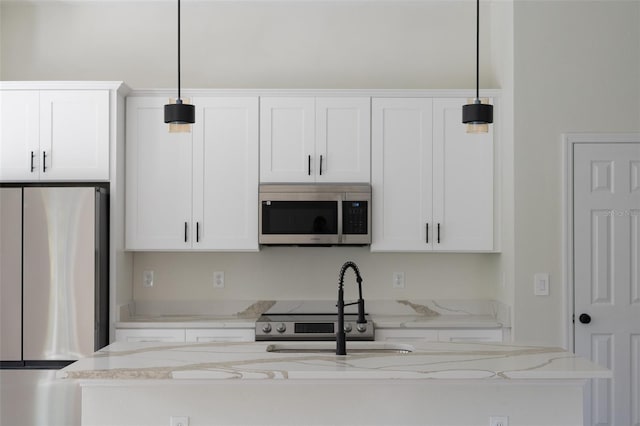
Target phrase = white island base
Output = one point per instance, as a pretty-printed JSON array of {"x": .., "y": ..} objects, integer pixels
[
  {"x": 334, "y": 402},
  {"x": 244, "y": 384}
]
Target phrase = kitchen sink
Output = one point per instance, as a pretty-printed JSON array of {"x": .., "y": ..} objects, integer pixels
[{"x": 330, "y": 347}]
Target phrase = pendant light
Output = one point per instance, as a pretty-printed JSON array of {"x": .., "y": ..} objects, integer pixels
[
  {"x": 179, "y": 113},
  {"x": 477, "y": 116}
]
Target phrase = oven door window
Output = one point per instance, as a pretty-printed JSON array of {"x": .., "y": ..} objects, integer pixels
[{"x": 300, "y": 217}]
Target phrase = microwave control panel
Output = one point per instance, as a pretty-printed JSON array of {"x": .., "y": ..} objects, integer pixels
[{"x": 354, "y": 217}]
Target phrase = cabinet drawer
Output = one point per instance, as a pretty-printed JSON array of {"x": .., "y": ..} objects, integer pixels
[
  {"x": 150, "y": 335},
  {"x": 389, "y": 335},
  {"x": 442, "y": 335},
  {"x": 219, "y": 335},
  {"x": 494, "y": 335}
]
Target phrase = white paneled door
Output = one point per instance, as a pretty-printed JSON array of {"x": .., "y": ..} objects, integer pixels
[{"x": 606, "y": 189}]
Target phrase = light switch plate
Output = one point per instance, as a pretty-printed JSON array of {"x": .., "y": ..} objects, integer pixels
[{"x": 541, "y": 284}]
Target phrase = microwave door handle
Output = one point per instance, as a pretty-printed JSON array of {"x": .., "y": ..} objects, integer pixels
[{"x": 340, "y": 220}]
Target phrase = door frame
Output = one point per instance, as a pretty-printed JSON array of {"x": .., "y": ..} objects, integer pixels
[{"x": 569, "y": 142}]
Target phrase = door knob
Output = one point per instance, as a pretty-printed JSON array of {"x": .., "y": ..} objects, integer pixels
[{"x": 585, "y": 318}]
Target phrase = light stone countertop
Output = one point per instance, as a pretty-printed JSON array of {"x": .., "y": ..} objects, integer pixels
[
  {"x": 384, "y": 314},
  {"x": 253, "y": 360}
]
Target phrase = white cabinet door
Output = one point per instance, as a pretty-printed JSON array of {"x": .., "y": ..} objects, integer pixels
[
  {"x": 150, "y": 335},
  {"x": 432, "y": 182},
  {"x": 225, "y": 174},
  {"x": 462, "y": 181},
  {"x": 401, "y": 179},
  {"x": 193, "y": 191},
  {"x": 203, "y": 335},
  {"x": 343, "y": 140},
  {"x": 159, "y": 179},
  {"x": 19, "y": 135},
  {"x": 287, "y": 140},
  {"x": 74, "y": 135},
  {"x": 315, "y": 139}
]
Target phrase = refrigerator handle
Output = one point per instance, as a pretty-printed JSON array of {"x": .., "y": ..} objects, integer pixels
[{"x": 185, "y": 232}]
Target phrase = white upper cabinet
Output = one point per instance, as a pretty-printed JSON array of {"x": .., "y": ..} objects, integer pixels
[
  {"x": 462, "y": 181},
  {"x": 314, "y": 139},
  {"x": 54, "y": 135},
  {"x": 225, "y": 174},
  {"x": 402, "y": 174},
  {"x": 432, "y": 182},
  {"x": 158, "y": 179},
  {"x": 195, "y": 190}
]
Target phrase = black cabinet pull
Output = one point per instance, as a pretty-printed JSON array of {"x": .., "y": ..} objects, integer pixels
[
  {"x": 427, "y": 232},
  {"x": 44, "y": 161},
  {"x": 185, "y": 232},
  {"x": 33, "y": 154},
  {"x": 321, "y": 165},
  {"x": 309, "y": 165},
  {"x": 197, "y": 232},
  {"x": 438, "y": 233}
]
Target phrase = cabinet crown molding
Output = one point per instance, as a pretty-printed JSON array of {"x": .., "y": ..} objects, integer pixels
[{"x": 380, "y": 93}]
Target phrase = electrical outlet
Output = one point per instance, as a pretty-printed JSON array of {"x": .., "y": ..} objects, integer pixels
[
  {"x": 147, "y": 279},
  {"x": 498, "y": 421},
  {"x": 179, "y": 421},
  {"x": 218, "y": 279},
  {"x": 398, "y": 280}
]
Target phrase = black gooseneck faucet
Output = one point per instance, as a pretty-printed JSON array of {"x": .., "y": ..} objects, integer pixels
[{"x": 341, "y": 347}]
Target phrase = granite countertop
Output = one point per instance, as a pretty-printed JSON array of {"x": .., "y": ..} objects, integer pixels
[
  {"x": 384, "y": 314},
  {"x": 253, "y": 361}
]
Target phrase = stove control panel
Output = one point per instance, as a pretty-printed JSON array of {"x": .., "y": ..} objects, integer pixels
[{"x": 311, "y": 327}]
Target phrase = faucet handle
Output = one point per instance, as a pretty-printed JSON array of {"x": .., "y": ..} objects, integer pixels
[{"x": 361, "y": 327}]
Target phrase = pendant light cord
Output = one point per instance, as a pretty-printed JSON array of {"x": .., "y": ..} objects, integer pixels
[
  {"x": 477, "y": 49},
  {"x": 179, "y": 52}
]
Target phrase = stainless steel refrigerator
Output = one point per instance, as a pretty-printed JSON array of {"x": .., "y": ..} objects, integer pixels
[{"x": 53, "y": 274}]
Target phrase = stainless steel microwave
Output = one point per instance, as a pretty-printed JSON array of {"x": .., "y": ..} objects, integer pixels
[{"x": 320, "y": 214}]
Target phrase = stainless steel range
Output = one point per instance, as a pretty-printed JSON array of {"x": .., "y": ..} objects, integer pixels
[{"x": 314, "y": 327}]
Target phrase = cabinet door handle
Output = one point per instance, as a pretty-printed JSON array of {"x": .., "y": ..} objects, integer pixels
[
  {"x": 185, "y": 232},
  {"x": 438, "y": 233},
  {"x": 44, "y": 161},
  {"x": 427, "y": 232},
  {"x": 33, "y": 154},
  {"x": 321, "y": 165},
  {"x": 309, "y": 165},
  {"x": 197, "y": 232}
]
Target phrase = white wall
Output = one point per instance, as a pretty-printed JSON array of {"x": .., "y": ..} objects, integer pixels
[
  {"x": 262, "y": 44},
  {"x": 281, "y": 273},
  {"x": 577, "y": 69}
]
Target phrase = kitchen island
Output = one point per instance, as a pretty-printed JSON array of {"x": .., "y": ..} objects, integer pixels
[{"x": 426, "y": 383}]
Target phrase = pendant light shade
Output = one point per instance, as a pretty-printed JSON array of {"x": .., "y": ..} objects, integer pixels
[
  {"x": 179, "y": 112},
  {"x": 477, "y": 116}
]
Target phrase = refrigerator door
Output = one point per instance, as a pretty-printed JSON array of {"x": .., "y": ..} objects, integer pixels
[
  {"x": 59, "y": 251},
  {"x": 10, "y": 274}
]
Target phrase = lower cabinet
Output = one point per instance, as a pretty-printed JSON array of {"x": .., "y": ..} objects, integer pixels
[
  {"x": 181, "y": 335},
  {"x": 493, "y": 335}
]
